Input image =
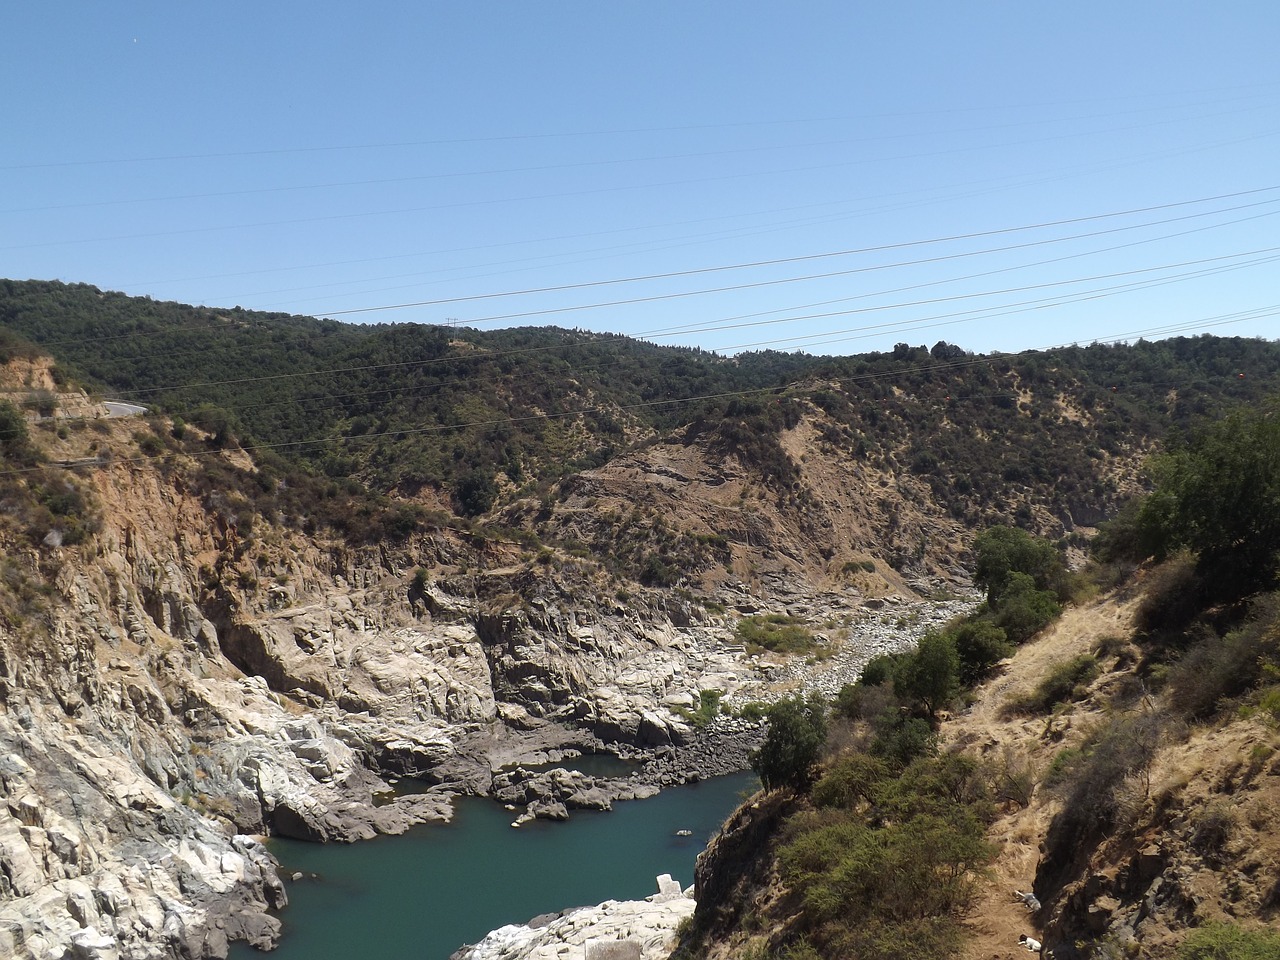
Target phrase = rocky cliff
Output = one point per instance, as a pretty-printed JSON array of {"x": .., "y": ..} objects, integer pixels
[{"x": 185, "y": 674}]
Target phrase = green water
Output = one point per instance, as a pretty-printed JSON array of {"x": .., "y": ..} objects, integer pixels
[{"x": 439, "y": 886}]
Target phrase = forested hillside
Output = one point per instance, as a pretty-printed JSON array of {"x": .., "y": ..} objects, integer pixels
[{"x": 471, "y": 419}]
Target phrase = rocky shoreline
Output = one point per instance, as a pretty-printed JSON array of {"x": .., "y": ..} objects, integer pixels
[
  {"x": 613, "y": 930},
  {"x": 161, "y": 715},
  {"x": 724, "y": 748}
]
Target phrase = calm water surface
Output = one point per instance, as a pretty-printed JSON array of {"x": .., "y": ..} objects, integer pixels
[{"x": 424, "y": 894}]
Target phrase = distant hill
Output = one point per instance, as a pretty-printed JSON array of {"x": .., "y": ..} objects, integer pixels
[{"x": 473, "y": 420}]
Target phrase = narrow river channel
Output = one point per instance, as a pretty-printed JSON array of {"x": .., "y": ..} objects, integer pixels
[{"x": 424, "y": 894}]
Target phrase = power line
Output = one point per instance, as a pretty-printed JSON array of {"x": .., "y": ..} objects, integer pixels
[
  {"x": 879, "y": 248},
  {"x": 861, "y": 332},
  {"x": 726, "y": 323},
  {"x": 843, "y": 253}
]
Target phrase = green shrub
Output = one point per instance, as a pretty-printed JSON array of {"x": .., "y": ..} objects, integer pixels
[
  {"x": 887, "y": 866},
  {"x": 851, "y": 781},
  {"x": 475, "y": 493},
  {"x": 1217, "y": 496},
  {"x": 15, "y": 439},
  {"x": 1216, "y": 669},
  {"x": 879, "y": 669},
  {"x": 858, "y": 702},
  {"x": 1171, "y": 595},
  {"x": 1063, "y": 763},
  {"x": 797, "y": 731},
  {"x": 776, "y": 632},
  {"x": 1269, "y": 703},
  {"x": 900, "y": 740},
  {"x": 980, "y": 644},
  {"x": 929, "y": 676},
  {"x": 1121, "y": 538},
  {"x": 149, "y": 444},
  {"x": 1065, "y": 681},
  {"x": 1230, "y": 941},
  {"x": 1025, "y": 610},
  {"x": 707, "y": 710}
]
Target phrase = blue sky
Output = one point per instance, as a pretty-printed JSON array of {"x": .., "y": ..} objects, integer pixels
[{"x": 783, "y": 175}]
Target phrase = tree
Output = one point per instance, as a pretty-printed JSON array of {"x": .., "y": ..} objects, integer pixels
[
  {"x": 930, "y": 676},
  {"x": 1025, "y": 610},
  {"x": 15, "y": 441},
  {"x": 797, "y": 731},
  {"x": 980, "y": 645},
  {"x": 1220, "y": 496},
  {"x": 475, "y": 493},
  {"x": 1004, "y": 551}
]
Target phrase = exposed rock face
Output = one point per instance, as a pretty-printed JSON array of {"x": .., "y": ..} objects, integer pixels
[
  {"x": 614, "y": 930},
  {"x": 180, "y": 681},
  {"x": 95, "y": 856},
  {"x": 734, "y": 864},
  {"x": 180, "y": 688}
]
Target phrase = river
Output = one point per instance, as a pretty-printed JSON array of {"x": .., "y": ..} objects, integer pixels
[{"x": 424, "y": 894}]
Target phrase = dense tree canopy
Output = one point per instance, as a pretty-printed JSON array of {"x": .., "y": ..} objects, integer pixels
[
  {"x": 1219, "y": 495},
  {"x": 463, "y": 413},
  {"x": 797, "y": 731},
  {"x": 1003, "y": 552},
  {"x": 930, "y": 676}
]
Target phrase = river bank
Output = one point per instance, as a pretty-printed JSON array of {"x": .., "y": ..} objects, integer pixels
[{"x": 440, "y": 886}]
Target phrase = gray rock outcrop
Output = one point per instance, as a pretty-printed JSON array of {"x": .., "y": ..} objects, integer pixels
[
  {"x": 613, "y": 930},
  {"x": 180, "y": 683}
]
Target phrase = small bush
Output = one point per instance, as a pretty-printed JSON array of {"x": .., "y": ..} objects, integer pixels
[
  {"x": 1011, "y": 779},
  {"x": 1121, "y": 539},
  {"x": 149, "y": 444},
  {"x": 1269, "y": 703},
  {"x": 776, "y": 632},
  {"x": 707, "y": 710},
  {"x": 1214, "y": 826},
  {"x": 981, "y": 645},
  {"x": 1229, "y": 941},
  {"x": 879, "y": 669},
  {"x": 852, "y": 781},
  {"x": 15, "y": 439},
  {"x": 1172, "y": 596},
  {"x": 899, "y": 740},
  {"x": 1216, "y": 670},
  {"x": 1065, "y": 681},
  {"x": 1024, "y": 610},
  {"x": 1118, "y": 752},
  {"x": 860, "y": 702},
  {"x": 1111, "y": 645},
  {"x": 1063, "y": 764}
]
